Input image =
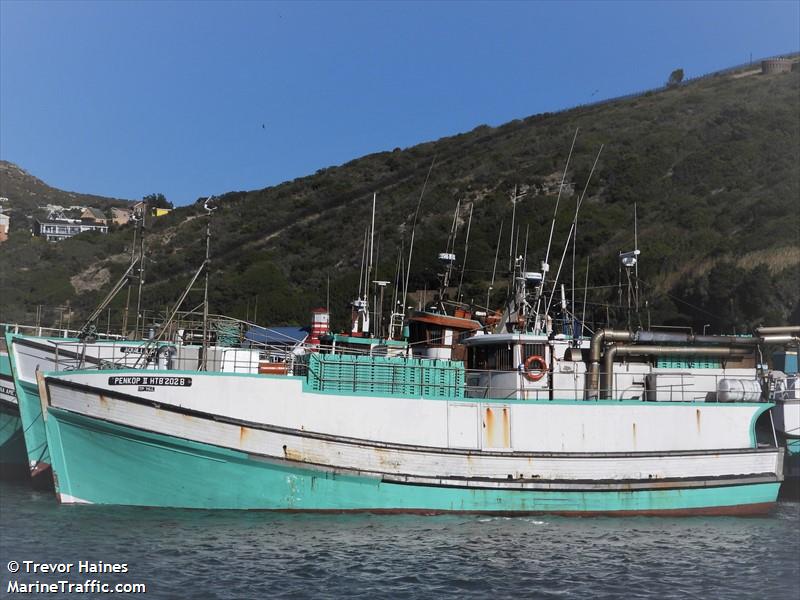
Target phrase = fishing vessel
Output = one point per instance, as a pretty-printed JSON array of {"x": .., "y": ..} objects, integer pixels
[
  {"x": 30, "y": 355},
  {"x": 538, "y": 418},
  {"x": 508, "y": 433},
  {"x": 22, "y": 426}
]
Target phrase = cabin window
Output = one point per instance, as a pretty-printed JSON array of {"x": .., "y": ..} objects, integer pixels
[
  {"x": 529, "y": 350},
  {"x": 491, "y": 357},
  {"x": 435, "y": 335},
  {"x": 416, "y": 334}
]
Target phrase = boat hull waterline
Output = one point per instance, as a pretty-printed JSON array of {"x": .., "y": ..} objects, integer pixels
[{"x": 114, "y": 448}]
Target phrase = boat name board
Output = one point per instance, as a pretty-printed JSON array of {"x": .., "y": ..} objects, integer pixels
[
  {"x": 150, "y": 380},
  {"x": 135, "y": 349}
]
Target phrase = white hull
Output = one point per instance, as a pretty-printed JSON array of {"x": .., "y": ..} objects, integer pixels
[
  {"x": 363, "y": 455},
  {"x": 532, "y": 444}
]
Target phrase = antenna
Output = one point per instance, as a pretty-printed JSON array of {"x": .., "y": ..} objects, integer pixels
[
  {"x": 413, "y": 232},
  {"x": 371, "y": 240},
  {"x": 448, "y": 258},
  {"x": 585, "y": 290},
  {"x": 630, "y": 260},
  {"x": 525, "y": 254},
  {"x": 497, "y": 251},
  {"x": 511, "y": 236},
  {"x": 466, "y": 248},
  {"x": 573, "y": 226},
  {"x": 636, "y": 248},
  {"x": 546, "y": 263}
]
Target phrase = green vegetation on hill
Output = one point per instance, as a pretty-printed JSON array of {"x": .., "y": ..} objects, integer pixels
[
  {"x": 713, "y": 167},
  {"x": 26, "y": 194}
]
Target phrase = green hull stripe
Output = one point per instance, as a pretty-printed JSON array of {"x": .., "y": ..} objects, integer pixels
[{"x": 104, "y": 463}]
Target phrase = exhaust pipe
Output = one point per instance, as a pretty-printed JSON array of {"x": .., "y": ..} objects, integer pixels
[{"x": 596, "y": 350}]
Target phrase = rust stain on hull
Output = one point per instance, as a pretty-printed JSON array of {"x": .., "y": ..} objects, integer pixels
[
  {"x": 243, "y": 433},
  {"x": 506, "y": 428},
  {"x": 292, "y": 454},
  {"x": 497, "y": 428}
]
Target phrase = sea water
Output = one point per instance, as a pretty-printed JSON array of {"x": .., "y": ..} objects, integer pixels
[{"x": 226, "y": 554}]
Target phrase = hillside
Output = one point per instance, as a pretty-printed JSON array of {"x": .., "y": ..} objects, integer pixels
[
  {"x": 26, "y": 193},
  {"x": 713, "y": 167}
]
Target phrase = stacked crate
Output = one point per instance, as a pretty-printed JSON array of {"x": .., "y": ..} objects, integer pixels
[{"x": 386, "y": 375}]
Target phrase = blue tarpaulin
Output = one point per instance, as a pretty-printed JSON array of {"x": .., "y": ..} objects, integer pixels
[{"x": 277, "y": 336}]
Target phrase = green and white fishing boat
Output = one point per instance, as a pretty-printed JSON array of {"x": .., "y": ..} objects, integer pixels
[
  {"x": 381, "y": 433},
  {"x": 535, "y": 420},
  {"x": 30, "y": 355}
]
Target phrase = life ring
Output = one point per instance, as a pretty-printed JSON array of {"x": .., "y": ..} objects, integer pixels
[{"x": 536, "y": 373}]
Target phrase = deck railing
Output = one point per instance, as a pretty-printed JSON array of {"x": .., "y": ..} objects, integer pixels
[{"x": 401, "y": 375}]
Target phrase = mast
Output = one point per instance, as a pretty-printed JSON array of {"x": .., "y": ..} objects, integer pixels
[
  {"x": 585, "y": 291},
  {"x": 466, "y": 248},
  {"x": 371, "y": 245},
  {"x": 360, "y": 313},
  {"x": 413, "y": 232},
  {"x": 128, "y": 298},
  {"x": 511, "y": 234},
  {"x": 141, "y": 267},
  {"x": 572, "y": 228},
  {"x": 206, "y": 264},
  {"x": 636, "y": 248},
  {"x": 361, "y": 319},
  {"x": 494, "y": 268},
  {"x": 546, "y": 263},
  {"x": 448, "y": 258}
]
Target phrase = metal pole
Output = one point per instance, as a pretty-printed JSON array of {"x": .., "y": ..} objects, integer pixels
[
  {"x": 205, "y": 293},
  {"x": 141, "y": 269}
]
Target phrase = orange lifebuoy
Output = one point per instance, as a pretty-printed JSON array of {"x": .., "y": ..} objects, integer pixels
[{"x": 536, "y": 373}]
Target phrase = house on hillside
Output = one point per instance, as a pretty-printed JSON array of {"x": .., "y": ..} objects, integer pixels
[
  {"x": 153, "y": 211},
  {"x": 94, "y": 216},
  {"x": 5, "y": 223},
  {"x": 120, "y": 216},
  {"x": 56, "y": 227}
]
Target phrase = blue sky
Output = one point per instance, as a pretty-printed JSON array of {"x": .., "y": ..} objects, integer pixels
[{"x": 194, "y": 98}]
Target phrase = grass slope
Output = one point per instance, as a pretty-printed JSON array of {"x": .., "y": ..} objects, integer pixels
[{"x": 713, "y": 167}]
